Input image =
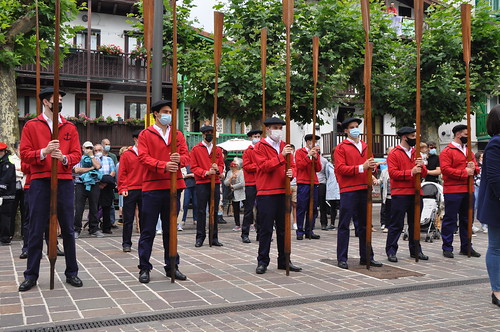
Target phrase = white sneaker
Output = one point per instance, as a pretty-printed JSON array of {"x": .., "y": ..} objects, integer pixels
[
  {"x": 475, "y": 229},
  {"x": 485, "y": 228},
  {"x": 159, "y": 232},
  {"x": 179, "y": 227},
  {"x": 236, "y": 229},
  {"x": 252, "y": 228},
  {"x": 294, "y": 227},
  {"x": 97, "y": 233}
]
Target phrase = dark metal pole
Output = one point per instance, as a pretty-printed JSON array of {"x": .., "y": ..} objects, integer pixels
[{"x": 157, "y": 49}]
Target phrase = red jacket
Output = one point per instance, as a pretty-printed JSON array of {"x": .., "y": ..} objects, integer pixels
[
  {"x": 271, "y": 168},
  {"x": 36, "y": 135},
  {"x": 347, "y": 161},
  {"x": 130, "y": 172},
  {"x": 249, "y": 166},
  {"x": 25, "y": 168},
  {"x": 303, "y": 166},
  {"x": 399, "y": 165},
  {"x": 154, "y": 155},
  {"x": 453, "y": 165},
  {"x": 201, "y": 162}
]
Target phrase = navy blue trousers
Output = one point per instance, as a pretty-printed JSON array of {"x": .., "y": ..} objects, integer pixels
[
  {"x": 352, "y": 204},
  {"x": 303, "y": 209},
  {"x": 271, "y": 211},
  {"x": 155, "y": 203},
  {"x": 401, "y": 205},
  {"x": 189, "y": 196},
  {"x": 26, "y": 221},
  {"x": 248, "y": 205},
  {"x": 133, "y": 200},
  {"x": 39, "y": 220},
  {"x": 455, "y": 204},
  {"x": 203, "y": 196}
]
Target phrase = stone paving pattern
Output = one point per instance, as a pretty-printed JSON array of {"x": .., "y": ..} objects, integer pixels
[{"x": 226, "y": 276}]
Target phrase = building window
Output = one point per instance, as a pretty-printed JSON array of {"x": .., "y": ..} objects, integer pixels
[
  {"x": 80, "y": 40},
  {"x": 135, "y": 107},
  {"x": 95, "y": 105},
  {"x": 26, "y": 103},
  {"x": 132, "y": 40}
]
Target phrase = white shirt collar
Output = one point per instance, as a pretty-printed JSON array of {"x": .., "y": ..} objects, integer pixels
[
  {"x": 136, "y": 150},
  {"x": 208, "y": 146},
  {"x": 461, "y": 147},
  {"x": 160, "y": 131},
  {"x": 407, "y": 151},
  {"x": 49, "y": 120},
  {"x": 358, "y": 145},
  {"x": 275, "y": 145}
]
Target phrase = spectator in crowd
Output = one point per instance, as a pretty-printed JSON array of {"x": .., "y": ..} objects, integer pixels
[
  {"x": 332, "y": 190},
  {"x": 323, "y": 206},
  {"x": 120, "y": 197},
  {"x": 130, "y": 178},
  {"x": 489, "y": 201},
  {"x": 106, "y": 144},
  {"x": 25, "y": 222},
  {"x": 189, "y": 196},
  {"x": 203, "y": 169},
  {"x": 7, "y": 194},
  {"x": 477, "y": 183},
  {"x": 424, "y": 152},
  {"x": 293, "y": 190},
  {"x": 392, "y": 9},
  {"x": 305, "y": 159},
  {"x": 87, "y": 179},
  {"x": 433, "y": 169},
  {"x": 107, "y": 186},
  {"x": 235, "y": 181},
  {"x": 385, "y": 187},
  {"x": 456, "y": 169},
  {"x": 15, "y": 159},
  {"x": 249, "y": 172}
]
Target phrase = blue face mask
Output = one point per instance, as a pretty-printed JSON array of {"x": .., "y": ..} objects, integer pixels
[
  {"x": 107, "y": 148},
  {"x": 255, "y": 140},
  {"x": 354, "y": 132},
  {"x": 166, "y": 119},
  {"x": 432, "y": 151}
]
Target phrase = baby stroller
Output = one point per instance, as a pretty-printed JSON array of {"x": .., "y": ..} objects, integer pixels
[{"x": 432, "y": 206}]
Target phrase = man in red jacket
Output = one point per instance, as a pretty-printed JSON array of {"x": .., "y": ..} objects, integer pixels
[
  {"x": 159, "y": 163},
  {"x": 203, "y": 169},
  {"x": 306, "y": 158},
  {"x": 403, "y": 166},
  {"x": 249, "y": 172},
  {"x": 270, "y": 158},
  {"x": 456, "y": 170},
  {"x": 351, "y": 165},
  {"x": 130, "y": 186},
  {"x": 38, "y": 149}
]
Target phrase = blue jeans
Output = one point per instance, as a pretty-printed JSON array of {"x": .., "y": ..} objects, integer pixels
[
  {"x": 189, "y": 196},
  {"x": 493, "y": 256}
]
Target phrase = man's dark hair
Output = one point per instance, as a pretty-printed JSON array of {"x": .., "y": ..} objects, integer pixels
[{"x": 493, "y": 121}]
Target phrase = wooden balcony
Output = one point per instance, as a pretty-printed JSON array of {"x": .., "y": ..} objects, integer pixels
[
  {"x": 380, "y": 142},
  {"x": 103, "y": 68}
]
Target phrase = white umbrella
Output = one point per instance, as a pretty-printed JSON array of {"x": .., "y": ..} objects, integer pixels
[{"x": 235, "y": 144}]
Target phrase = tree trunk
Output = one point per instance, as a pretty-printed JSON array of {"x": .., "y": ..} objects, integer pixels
[
  {"x": 429, "y": 132},
  {"x": 9, "y": 125}
]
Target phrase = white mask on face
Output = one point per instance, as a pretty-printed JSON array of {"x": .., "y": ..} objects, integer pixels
[{"x": 276, "y": 135}]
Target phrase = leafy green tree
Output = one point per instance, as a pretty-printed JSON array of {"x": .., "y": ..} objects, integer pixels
[{"x": 17, "y": 47}]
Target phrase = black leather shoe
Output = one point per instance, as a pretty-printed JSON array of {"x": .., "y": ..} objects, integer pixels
[
  {"x": 178, "y": 274},
  {"x": 372, "y": 263},
  {"x": 421, "y": 256},
  {"x": 245, "y": 239},
  {"x": 495, "y": 300},
  {"x": 60, "y": 252},
  {"x": 324, "y": 228},
  {"x": 127, "y": 249},
  {"x": 392, "y": 258},
  {"x": 300, "y": 237},
  {"x": 198, "y": 244},
  {"x": 74, "y": 281},
  {"x": 144, "y": 276},
  {"x": 343, "y": 265},
  {"x": 217, "y": 243},
  {"x": 448, "y": 254},
  {"x": 27, "y": 284},
  {"x": 261, "y": 269},
  {"x": 313, "y": 237},
  {"x": 293, "y": 268},
  {"x": 23, "y": 255},
  {"x": 473, "y": 253},
  {"x": 221, "y": 220}
]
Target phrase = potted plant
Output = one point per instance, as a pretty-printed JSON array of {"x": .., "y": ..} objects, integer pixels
[
  {"x": 110, "y": 49},
  {"x": 139, "y": 54},
  {"x": 109, "y": 120},
  {"x": 120, "y": 119},
  {"x": 73, "y": 119},
  {"x": 134, "y": 122},
  {"x": 83, "y": 118},
  {"x": 100, "y": 121}
]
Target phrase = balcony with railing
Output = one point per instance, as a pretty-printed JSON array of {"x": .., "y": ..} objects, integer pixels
[{"x": 121, "y": 68}]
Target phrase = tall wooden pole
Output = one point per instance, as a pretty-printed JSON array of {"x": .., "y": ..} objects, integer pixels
[
  {"x": 172, "y": 245},
  {"x": 55, "y": 135},
  {"x": 148, "y": 12},
  {"x": 288, "y": 12},
  {"x": 263, "y": 64},
  {"x": 419, "y": 25},
  {"x": 365, "y": 14},
  {"x": 466, "y": 38},
  {"x": 37, "y": 27},
  {"x": 218, "y": 25},
  {"x": 315, "y": 109}
]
